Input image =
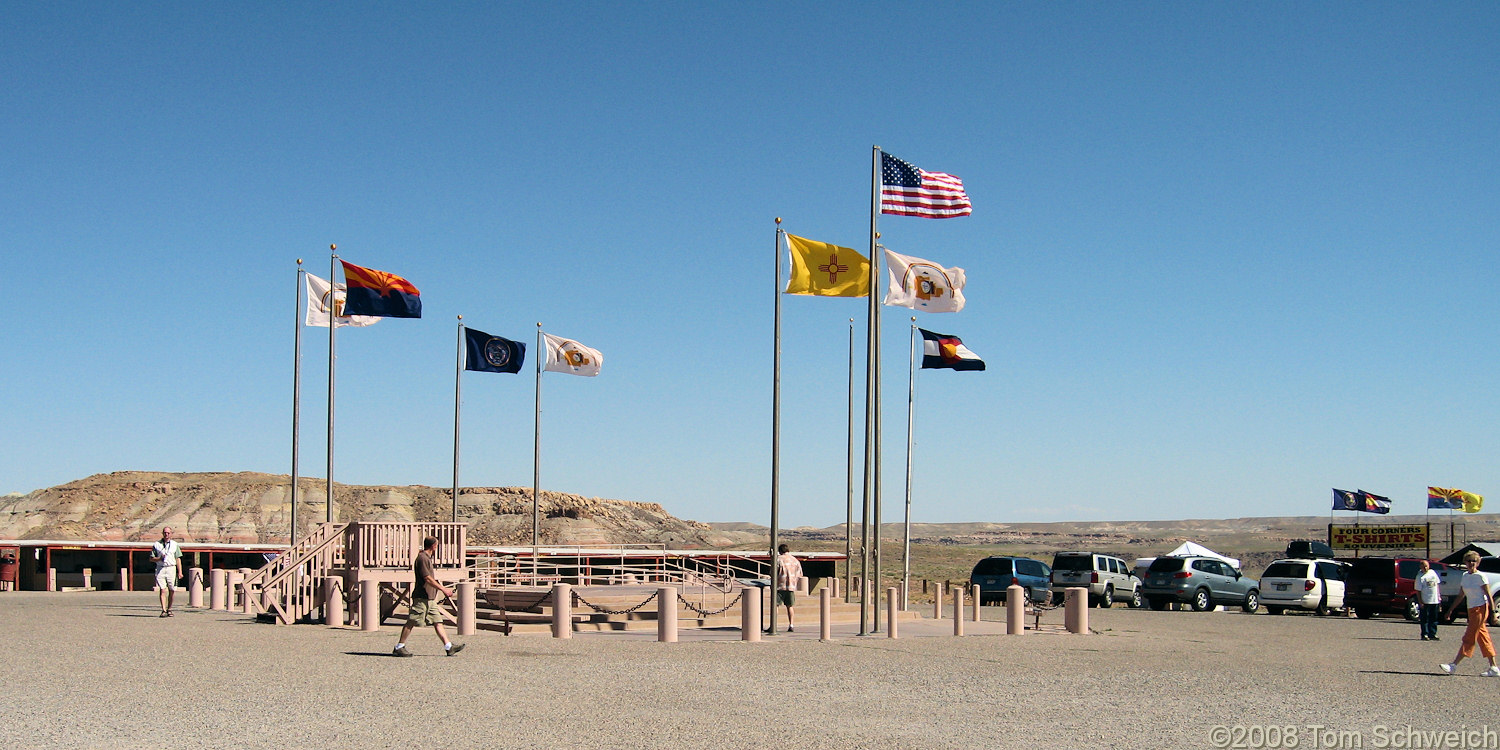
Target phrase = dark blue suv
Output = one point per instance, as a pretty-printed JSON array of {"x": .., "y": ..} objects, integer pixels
[{"x": 993, "y": 575}]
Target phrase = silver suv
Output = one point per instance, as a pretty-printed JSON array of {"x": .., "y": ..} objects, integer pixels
[
  {"x": 1108, "y": 579},
  {"x": 1200, "y": 581}
]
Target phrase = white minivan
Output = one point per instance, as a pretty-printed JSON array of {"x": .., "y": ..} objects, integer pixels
[{"x": 1316, "y": 585}]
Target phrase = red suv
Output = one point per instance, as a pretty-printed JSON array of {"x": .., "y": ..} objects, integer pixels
[{"x": 1377, "y": 585}]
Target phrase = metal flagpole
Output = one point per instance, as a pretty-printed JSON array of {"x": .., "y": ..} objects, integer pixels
[
  {"x": 536, "y": 457},
  {"x": 775, "y": 421},
  {"x": 849, "y": 481},
  {"x": 458, "y": 372},
  {"x": 333, "y": 324},
  {"x": 874, "y": 397},
  {"x": 872, "y": 349},
  {"x": 291, "y": 534},
  {"x": 911, "y": 412}
]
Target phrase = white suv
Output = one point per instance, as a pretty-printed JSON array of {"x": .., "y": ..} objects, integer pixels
[
  {"x": 1317, "y": 585},
  {"x": 1108, "y": 578}
]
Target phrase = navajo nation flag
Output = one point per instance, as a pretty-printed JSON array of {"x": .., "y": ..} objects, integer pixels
[
  {"x": 379, "y": 293},
  {"x": 939, "y": 350},
  {"x": 908, "y": 191}
]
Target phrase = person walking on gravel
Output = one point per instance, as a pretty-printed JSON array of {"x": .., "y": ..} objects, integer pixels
[
  {"x": 1430, "y": 595},
  {"x": 167, "y": 555},
  {"x": 788, "y": 573},
  {"x": 424, "y": 610},
  {"x": 1477, "y": 597}
]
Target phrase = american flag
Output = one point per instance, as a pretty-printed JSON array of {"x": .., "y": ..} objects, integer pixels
[{"x": 908, "y": 191}]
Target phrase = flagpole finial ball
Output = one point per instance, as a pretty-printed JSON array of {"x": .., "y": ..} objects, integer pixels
[
  {"x": 299, "y": 261},
  {"x": 778, "y": 220},
  {"x": 462, "y": 317},
  {"x": 333, "y": 247}
]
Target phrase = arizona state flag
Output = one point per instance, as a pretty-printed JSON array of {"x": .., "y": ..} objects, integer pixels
[
  {"x": 826, "y": 270},
  {"x": 378, "y": 293},
  {"x": 939, "y": 350},
  {"x": 1443, "y": 497}
]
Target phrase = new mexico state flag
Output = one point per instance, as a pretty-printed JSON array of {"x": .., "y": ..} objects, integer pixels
[{"x": 825, "y": 270}]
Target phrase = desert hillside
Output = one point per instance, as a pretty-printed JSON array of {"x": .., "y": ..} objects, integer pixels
[{"x": 248, "y": 507}]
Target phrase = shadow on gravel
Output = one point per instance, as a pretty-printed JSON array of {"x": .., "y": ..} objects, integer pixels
[
  {"x": 1368, "y": 638},
  {"x": 1400, "y": 672},
  {"x": 381, "y": 654},
  {"x": 154, "y": 617}
]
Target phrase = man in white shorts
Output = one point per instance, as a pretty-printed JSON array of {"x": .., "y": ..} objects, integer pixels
[{"x": 167, "y": 555}]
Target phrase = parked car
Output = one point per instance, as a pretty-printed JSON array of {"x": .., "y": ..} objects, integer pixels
[
  {"x": 993, "y": 575},
  {"x": 1316, "y": 585},
  {"x": 1380, "y": 585},
  {"x": 1200, "y": 581},
  {"x": 1107, "y": 578}
]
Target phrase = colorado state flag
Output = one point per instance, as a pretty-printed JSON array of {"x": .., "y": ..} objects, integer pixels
[
  {"x": 939, "y": 350},
  {"x": 385, "y": 295}
]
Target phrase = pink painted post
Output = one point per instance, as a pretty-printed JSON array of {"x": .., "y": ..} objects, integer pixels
[
  {"x": 1015, "y": 610},
  {"x": 52, "y": 579},
  {"x": 750, "y": 614},
  {"x": 974, "y": 590},
  {"x": 195, "y": 588},
  {"x": 836, "y": 583},
  {"x": 369, "y": 606},
  {"x": 466, "y": 618},
  {"x": 88, "y": 578},
  {"x": 802, "y": 584},
  {"x": 890, "y": 613},
  {"x": 247, "y": 602},
  {"x": 937, "y": 601},
  {"x": 124, "y": 579},
  {"x": 958, "y": 610},
  {"x": 666, "y": 614},
  {"x": 562, "y": 611},
  {"x": 825, "y": 614},
  {"x": 232, "y": 580},
  {"x": 216, "y": 598},
  {"x": 1076, "y": 609},
  {"x": 333, "y": 602}
]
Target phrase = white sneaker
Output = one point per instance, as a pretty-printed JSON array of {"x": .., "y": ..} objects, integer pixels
[
  {"x": 1447, "y": 668},
  {"x": 1491, "y": 672}
]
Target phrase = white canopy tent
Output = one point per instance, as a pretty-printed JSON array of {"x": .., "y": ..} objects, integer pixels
[{"x": 1195, "y": 549}]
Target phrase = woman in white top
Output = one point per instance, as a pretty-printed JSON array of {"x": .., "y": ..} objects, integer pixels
[{"x": 1477, "y": 598}]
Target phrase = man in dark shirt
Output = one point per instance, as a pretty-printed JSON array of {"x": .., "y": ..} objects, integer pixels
[{"x": 424, "y": 610}]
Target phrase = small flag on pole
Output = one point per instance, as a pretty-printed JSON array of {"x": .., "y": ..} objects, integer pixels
[
  {"x": 908, "y": 191},
  {"x": 1443, "y": 497},
  {"x": 380, "y": 293},
  {"x": 939, "y": 350},
  {"x": 923, "y": 285},
  {"x": 567, "y": 355},
  {"x": 318, "y": 297},
  {"x": 825, "y": 270},
  {"x": 1346, "y": 500},
  {"x": 1472, "y": 503},
  {"x": 1375, "y": 503},
  {"x": 486, "y": 353}
]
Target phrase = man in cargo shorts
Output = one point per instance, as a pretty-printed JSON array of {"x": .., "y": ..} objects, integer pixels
[
  {"x": 788, "y": 573},
  {"x": 424, "y": 608},
  {"x": 168, "y": 558}
]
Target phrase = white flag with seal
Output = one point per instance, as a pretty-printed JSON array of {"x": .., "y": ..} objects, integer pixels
[
  {"x": 923, "y": 285},
  {"x": 317, "y": 305},
  {"x": 567, "y": 355}
]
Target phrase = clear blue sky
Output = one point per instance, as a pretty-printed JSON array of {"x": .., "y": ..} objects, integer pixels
[{"x": 1223, "y": 257}]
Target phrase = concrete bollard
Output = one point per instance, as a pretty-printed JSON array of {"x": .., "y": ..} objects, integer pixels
[
  {"x": 802, "y": 584},
  {"x": 825, "y": 614},
  {"x": 216, "y": 599},
  {"x": 124, "y": 579},
  {"x": 958, "y": 610},
  {"x": 369, "y": 606},
  {"x": 890, "y": 613},
  {"x": 562, "y": 610},
  {"x": 860, "y": 587},
  {"x": 750, "y": 614},
  {"x": 88, "y": 578},
  {"x": 1076, "y": 609},
  {"x": 247, "y": 602},
  {"x": 974, "y": 590},
  {"x": 836, "y": 583},
  {"x": 231, "y": 589},
  {"x": 937, "y": 601},
  {"x": 666, "y": 614},
  {"x": 333, "y": 602},
  {"x": 1015, "y": 610},
  {"x": 466, "y": 615},
  {"x": 195, "y": 588},
  {"x": 52, "y": 579}
]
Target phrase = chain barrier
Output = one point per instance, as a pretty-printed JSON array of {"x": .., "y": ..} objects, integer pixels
[
  {"x": 708, "y": 613},
  {"x": 578, "y": 598}
]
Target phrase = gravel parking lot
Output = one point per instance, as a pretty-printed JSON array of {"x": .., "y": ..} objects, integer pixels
[{"x": 101, "y": 670}]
